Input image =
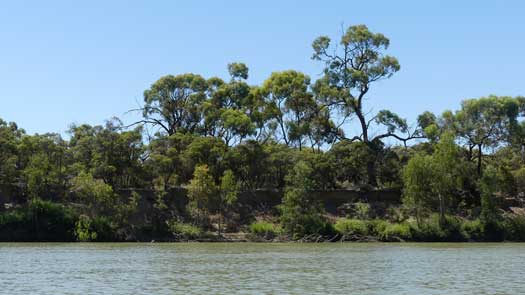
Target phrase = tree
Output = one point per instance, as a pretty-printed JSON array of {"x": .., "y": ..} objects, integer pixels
[
  {"x": 94, "y": 192},
  {"x": 228, "y": 192},
  {"x": 44, "y": 159},
  {"x": 201, "y": 192},
  {"x": 291, "y": 104},
  {"x": 174, "y": 103},
  {"x": 238, "y": 70},
  {"x": 490, "y": 216},
  {"x": 227, "y": 111},
  {"x": 434, "y": 179},
  {"x": 301, "y": 214},
  {"x": 484, "y": 122},
  {"x": 108, "y": 152},
  {"x": 10, "y": 136},
  {"x": 350, "y": 160},
  {"x": 350, "y": 71}
]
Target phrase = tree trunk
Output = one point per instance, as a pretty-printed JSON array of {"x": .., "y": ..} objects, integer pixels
[
  {"x": 480, "y": 155},
  {"x": 371, "y": 171},
  {"x": 442, "y": 219},
  {"x": 364, "y": 128}
]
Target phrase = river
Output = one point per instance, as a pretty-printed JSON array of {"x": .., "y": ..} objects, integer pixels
[{"x": 248, "y": 268}]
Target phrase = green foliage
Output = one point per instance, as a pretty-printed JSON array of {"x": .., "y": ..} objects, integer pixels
[
  {"x": 362, "y": 210},
  {"x": 433, "y": 229},
  {"x": 92, "y": 191},
  {"x": 218, "y": 139},
  {"x": 184, "y": 231},
  {"x": 473, "y": 230},
  {"x": 430, "y": 181},
  {"x": 396, "y": 232},
  {"x": 202, "y": 192},
  {"x": 83, "y": 230},
  {"x": 228, "y": 190},
  {"x": 301, "y": 215},
  {"x": 350, "y": 160},
  {"x": 238, "y": 70},
  {"x": 38, "y": 221},
  {"x": 490, "y": 217},
  {"x": 514, "y": 228},
  {"x": 350, "y": 72},
  {"x": 351, "y": 227},
  {"x": 265, "y": 229}
]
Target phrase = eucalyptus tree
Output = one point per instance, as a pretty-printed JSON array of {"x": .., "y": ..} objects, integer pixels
[
  {"x": 228, "y": 194},
  {"x": 227, "y": 110},
  {"x": 291, "y": 104},
  {"x": 44, "y": 159},
  {"x": 10, "y": 136},
  {"x": 484, "y": 123},
  {"x": 201, "y": 193},
  {"x": 296, "y": 115},
  {"x": 430, "y": 181},
  {"x": 301, "y": 214},
  {"x": 174, "y": 103},
  {"x": 350, "y": 70},
  {"x": 108, "y": 152}
]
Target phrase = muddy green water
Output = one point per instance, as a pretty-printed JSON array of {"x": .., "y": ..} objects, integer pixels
[{"x": 193, "y": 268}]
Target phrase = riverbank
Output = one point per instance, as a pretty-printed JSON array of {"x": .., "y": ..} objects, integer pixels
[
  {"x": 42, "y": 221},
  {"x": 511, "y": 228}
]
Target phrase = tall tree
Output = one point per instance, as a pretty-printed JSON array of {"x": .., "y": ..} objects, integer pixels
[
  {"x": 227, "y": 111},
  {"x": 295, "y": 113},
  {"x": 350, "y": 71},
  {"x": 431, "y": 181},
  {"x": 201, "y": 193},
  {"x": 10, "y": 136},
  {"x": 484, "y": 123},
  {"x": 174, "y": 103},
  {"x": 291, "y": 104}
]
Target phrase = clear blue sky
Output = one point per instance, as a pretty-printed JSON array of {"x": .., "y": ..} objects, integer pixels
[{"x": 86, "y": 61}]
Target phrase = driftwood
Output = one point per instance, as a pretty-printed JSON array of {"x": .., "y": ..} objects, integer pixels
[{"x": 358, "y": 238}]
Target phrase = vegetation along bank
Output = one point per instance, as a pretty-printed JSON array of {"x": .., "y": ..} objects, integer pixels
[{"x": 216, "y": 159}]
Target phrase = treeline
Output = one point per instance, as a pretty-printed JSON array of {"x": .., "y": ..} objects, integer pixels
[{"x": 462, "y": 173}]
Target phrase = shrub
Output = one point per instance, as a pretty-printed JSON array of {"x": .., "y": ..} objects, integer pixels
[
  {"x": 301, "y": 214},
  {"x": 96, "y": 229},
  {"x": 362, "y": 210},
  {"x": 514, "y": 228},
  {"x": 493, "y": 230},
  {"x": 184, "y": 231},
  {"x": 83, "y": 230},
  {"x": 396, "y": 231},
  {"x": 346, "y": 226},
  {"x": 430, "y": 230},
  {"x": 377, "y": 226},
  {"x": 265, "y": 229},
  {"x": 38, "y": 221},
  {"x": 473, "y": 229}
]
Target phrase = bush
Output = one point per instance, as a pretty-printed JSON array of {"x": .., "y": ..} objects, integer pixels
[
  {"x": 514, "y": 228},
  {"x": 347, "y": 227},
  {"x": 377, "y": 226},
  {"x": 493, "y": 230},
  {"x": 362, "y": 210},
  {"x": 83, "y": 230},
  {"x": 38, "y": 221},
  {"x": 265, "y": 229},
  {"x": 184, "y": 231},
  {"x": 431, "y": 231},
  {"x": 473, "y": 230},
  {"x": 97, "y": 229},
  {"x": 396, "y": 232}
]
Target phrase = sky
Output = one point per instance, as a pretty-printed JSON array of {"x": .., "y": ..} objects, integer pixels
[{"x": 64, "y": 62}]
